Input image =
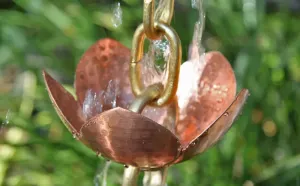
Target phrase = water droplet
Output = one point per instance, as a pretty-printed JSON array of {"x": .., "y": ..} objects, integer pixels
[
  {"x": 201, "y": 84},
  {"x": 100, "y": 178},
  {"x": 204, "y": 133},
  {"x": 161, "y": 49},
  {"x": 220, "y": 100},
  {"x": 92, "y": 104},
  {"x": 194, "y": 4},
  {"x": 75, "y": 134},
  {"x": 226, "y": 114},
  {"x": 111, "y": 93},
  {"x": 6, "y": 121},
  {"x": 94, "y": 101},
  {"x": 192, "y": 108},
  {"x": 98, "y": 154},
  {"x": 126, "y": 166},
  {"x": 216, "y": 86},
  {"x": 194, "y": 143},
  {"x": 117, "y": 15}
]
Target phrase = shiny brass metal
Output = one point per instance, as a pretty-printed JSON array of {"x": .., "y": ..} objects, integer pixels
[
  {"x": 173, "y": 66},
  {"x": 164, "y": 11},
  {"x": 148, "y": 21},
  {"x": 149, "y": 94},
  {"x": 162, "y": 15}
]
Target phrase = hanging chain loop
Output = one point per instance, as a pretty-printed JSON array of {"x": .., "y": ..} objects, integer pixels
[
  {"x": 173, "y": 63},
  {"x": 154, "y": 24},
  {"x": 163, "y": 14},
  {"x": 154, "y": 27}
]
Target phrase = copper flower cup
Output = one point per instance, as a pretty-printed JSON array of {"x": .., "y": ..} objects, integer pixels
[{"x": 207, "y": 107}]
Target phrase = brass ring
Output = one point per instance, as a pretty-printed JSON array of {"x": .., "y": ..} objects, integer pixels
[
  {"x": 149, "y": 94},
  {"x": 163, "y": 14},
  {"x": 173, "y": 64}
]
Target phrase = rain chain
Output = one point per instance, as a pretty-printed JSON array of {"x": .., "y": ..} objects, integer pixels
[
  {"x": 153, "y": 28},
  {"x": 121, "y": 119}
]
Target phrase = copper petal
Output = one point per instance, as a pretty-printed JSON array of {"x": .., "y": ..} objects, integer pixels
[
  {"x": 217, "y": 130},
  {"x": 65, "y": 104},
  {"x": 104, "y": 61},
  {"x": 109, "y": 60},
  {"x": 207, "y": 86},
  {"x": 132, "y": 139}
]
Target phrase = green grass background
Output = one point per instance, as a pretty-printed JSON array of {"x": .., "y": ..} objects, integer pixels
[{"x": 261, "y": 41}]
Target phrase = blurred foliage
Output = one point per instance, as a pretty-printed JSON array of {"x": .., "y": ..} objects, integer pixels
[{"x": 261, "y": 41}]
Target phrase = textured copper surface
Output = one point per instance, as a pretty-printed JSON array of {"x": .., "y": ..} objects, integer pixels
[
  {"x": 108, "y": 60},
  {"x": 149, "y": 142},
  {"x": 217, "y": 129},
  {"x": 65, "y": 105},
  {"x": 214, "y": 92},
  {"x": 131, "y": 139},
  {"x": 118, "y": 134}
]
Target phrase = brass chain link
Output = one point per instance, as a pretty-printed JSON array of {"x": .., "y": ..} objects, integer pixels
[
  {"x": 163, "y": 14},
  {"x": 155, "y": 26}
]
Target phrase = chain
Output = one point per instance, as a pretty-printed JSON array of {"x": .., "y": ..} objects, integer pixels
[
  {"x": 154, "y": 27},
  {"x": 163, "y": 14},
  {"x": 148, "y": 95}
]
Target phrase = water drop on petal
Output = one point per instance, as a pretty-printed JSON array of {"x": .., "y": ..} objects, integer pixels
[
  {"x": 92, "y": 104},
  {"x": 161, "y": 49},
  {"x": 75, "y": 134},
  {"x": 98, "y": 154},
  {"x": 111, "y": 93}
]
